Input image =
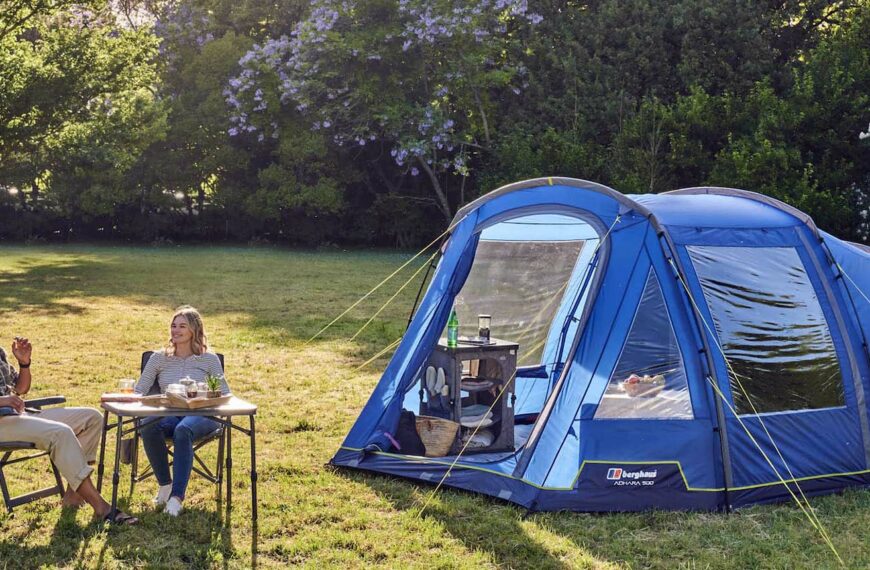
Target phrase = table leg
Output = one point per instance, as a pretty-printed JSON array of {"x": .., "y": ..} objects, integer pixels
[
  {"x": 134, "y": 455},
  {"x": 116, "y": 474},
  {"x": 253, "y": 469},
  {"x": 220, "y": 469},
  {"x": 101, "y": 465},
  {"x": 229, "y": 459}
]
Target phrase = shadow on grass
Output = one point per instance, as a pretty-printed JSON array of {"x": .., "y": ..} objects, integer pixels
[
  {"x": 478, "y": 522},
  {"x": 43, "y": 286},
  {"x": 67, "y": 545},
  {"x": 196, "y": 539},
  {"x": 284, "y": 295}
]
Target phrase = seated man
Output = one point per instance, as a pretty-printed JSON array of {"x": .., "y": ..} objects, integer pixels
[{"x": 70, "y": 435}]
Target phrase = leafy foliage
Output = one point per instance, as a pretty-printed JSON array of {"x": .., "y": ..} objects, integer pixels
[{"x": 373, "y": 121}]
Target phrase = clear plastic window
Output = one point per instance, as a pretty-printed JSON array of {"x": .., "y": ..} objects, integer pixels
[
  {"x": 771, "y": 328},
  {"x": 522, "y": 269},
  {"x": 649, "y": 380}
]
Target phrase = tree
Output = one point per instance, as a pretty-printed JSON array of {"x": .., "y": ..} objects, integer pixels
[
  {"x": 414, "y": 78},
  {"x": 76, "y": 100}
]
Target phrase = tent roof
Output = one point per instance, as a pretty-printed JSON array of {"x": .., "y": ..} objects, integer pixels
[
  {"x": 712, "y": 207},
  {"x": 714, "y": 211}
]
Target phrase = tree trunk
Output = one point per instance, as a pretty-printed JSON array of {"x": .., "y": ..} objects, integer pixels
[
  {"x": 483, "y": 118},
  {"x": 443, "y": 205},
  {"x": 34, "y": 195}
]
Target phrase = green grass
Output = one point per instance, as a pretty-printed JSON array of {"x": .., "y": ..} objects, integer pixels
[{"x": 91, "y": 311}]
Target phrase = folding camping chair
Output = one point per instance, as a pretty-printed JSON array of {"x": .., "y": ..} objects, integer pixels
[
  {"x": 202, "y": 469},
  {"x": 8, "y": 448}
]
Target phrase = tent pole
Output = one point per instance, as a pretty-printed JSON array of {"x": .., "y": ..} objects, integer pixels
[
  {"x": 563, "y": 335},
  {"x": 420, "y": 292},
  {"x": 723, "y": 445}
]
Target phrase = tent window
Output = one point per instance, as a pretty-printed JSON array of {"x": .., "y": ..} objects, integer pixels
[
  {"x": 522, "y": 270},
  {"x": 649, "y": 380},
  {"x": 771, "y": 328}
]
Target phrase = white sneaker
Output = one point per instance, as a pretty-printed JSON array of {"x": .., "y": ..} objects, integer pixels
[
  {"x": 162, "y": 495},
  {"x": 173, "y": 507}
]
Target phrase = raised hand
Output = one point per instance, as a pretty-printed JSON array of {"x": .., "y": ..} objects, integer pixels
[{"x": 22, "y": 350}]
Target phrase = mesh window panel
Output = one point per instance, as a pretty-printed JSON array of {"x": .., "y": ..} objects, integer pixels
[
  {"x": 521, "y": 284},
  {"x": 649, "y": 380},
  {"x": 771, "y": 328}
]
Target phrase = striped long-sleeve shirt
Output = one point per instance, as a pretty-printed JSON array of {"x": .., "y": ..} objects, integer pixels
[{"x": 166, "y": 370}]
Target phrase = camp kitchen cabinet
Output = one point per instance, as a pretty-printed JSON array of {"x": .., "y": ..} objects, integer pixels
[{"x": 476, "y": 375}]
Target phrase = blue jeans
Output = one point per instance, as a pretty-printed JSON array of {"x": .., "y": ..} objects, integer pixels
[{"x": 184, "y": 431}]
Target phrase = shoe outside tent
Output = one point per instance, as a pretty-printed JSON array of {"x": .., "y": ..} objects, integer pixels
[{"x": 754, "y": 323}]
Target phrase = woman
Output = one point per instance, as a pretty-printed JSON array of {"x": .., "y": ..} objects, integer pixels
[{"x": 186, "y": 355}]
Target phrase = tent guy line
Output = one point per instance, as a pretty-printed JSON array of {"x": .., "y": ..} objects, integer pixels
[{"x": 379, "y": 285}]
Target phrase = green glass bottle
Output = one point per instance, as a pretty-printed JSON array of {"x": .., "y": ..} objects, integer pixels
[{"x": 452, "y": 329}]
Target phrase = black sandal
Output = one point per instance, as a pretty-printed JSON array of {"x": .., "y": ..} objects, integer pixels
[{"x": 121, "y": 518}]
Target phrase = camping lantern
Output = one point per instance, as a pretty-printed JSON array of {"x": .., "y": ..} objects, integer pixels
[{"x": 483, "y": 326}]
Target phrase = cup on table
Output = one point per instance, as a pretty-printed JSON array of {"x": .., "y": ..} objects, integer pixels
[
  {"x": 126, "y": 385},
  {"x": 179, "y": 389}
]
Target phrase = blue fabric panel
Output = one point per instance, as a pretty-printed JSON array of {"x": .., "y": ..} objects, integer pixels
[
  {"x": 691, "y": 443},
  {"x": 836, "y": 335},
  {"x": 781, "y": 237},
  {"x": 813, "y": 442},
  {"x": 856, "y": 265},
  {"x": 430, "y": 471},
  {"x": 617, "y": 297},
  {"x": 531, "y": 394},
  {"x": 531, "y": 386},
  {"x": 710, "y": 210},
  {"x": 810, "y": 488}
]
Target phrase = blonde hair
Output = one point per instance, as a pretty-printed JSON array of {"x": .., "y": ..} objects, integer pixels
[{"x": 199, "y": 343}]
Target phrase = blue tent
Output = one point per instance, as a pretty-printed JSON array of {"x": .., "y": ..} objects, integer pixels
[{"x": 753, "y": 322}]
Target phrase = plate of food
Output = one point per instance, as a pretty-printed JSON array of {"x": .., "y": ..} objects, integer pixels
[{"x": 643, "y": 386}]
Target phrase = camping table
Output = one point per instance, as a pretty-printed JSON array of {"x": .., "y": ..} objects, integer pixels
[
  {"x": 497, "y": 362},
  {"x": 222, "y": 414}
]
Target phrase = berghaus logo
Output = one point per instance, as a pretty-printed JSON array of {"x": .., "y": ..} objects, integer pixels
[{"x": 618, "y": 474}]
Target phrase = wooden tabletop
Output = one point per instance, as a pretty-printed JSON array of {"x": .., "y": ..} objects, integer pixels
[{"x": 235, "y": 407}]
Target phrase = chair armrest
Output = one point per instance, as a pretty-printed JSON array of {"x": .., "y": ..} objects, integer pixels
[
  {"x": 15, "y": 445},
  {"x": 47, "y": 401}
]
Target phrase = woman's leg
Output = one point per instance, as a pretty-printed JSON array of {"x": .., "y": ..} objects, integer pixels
[
  {"x": 188, "y": 431},
  {"x": 154, "y": 441}
]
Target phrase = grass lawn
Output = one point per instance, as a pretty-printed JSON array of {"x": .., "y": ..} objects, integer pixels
[{"x": 91, "y": 311}]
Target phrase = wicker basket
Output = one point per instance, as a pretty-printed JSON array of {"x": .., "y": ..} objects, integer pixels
[{"x": 437, "y": 434}]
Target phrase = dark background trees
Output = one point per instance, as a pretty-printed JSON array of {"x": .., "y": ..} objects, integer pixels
[{"x": 370, "y": 122}]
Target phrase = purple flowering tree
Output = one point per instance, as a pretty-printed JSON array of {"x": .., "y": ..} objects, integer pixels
[{"x": 417, "y": 78}]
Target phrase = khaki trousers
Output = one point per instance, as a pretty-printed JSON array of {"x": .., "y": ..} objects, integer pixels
[{"x": 70, "y": 435}]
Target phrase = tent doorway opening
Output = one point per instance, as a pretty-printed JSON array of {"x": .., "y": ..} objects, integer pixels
[{"x": 531, "y": 274}]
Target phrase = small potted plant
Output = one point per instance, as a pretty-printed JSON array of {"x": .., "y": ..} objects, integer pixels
[{"x": 213, "y": 382}]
